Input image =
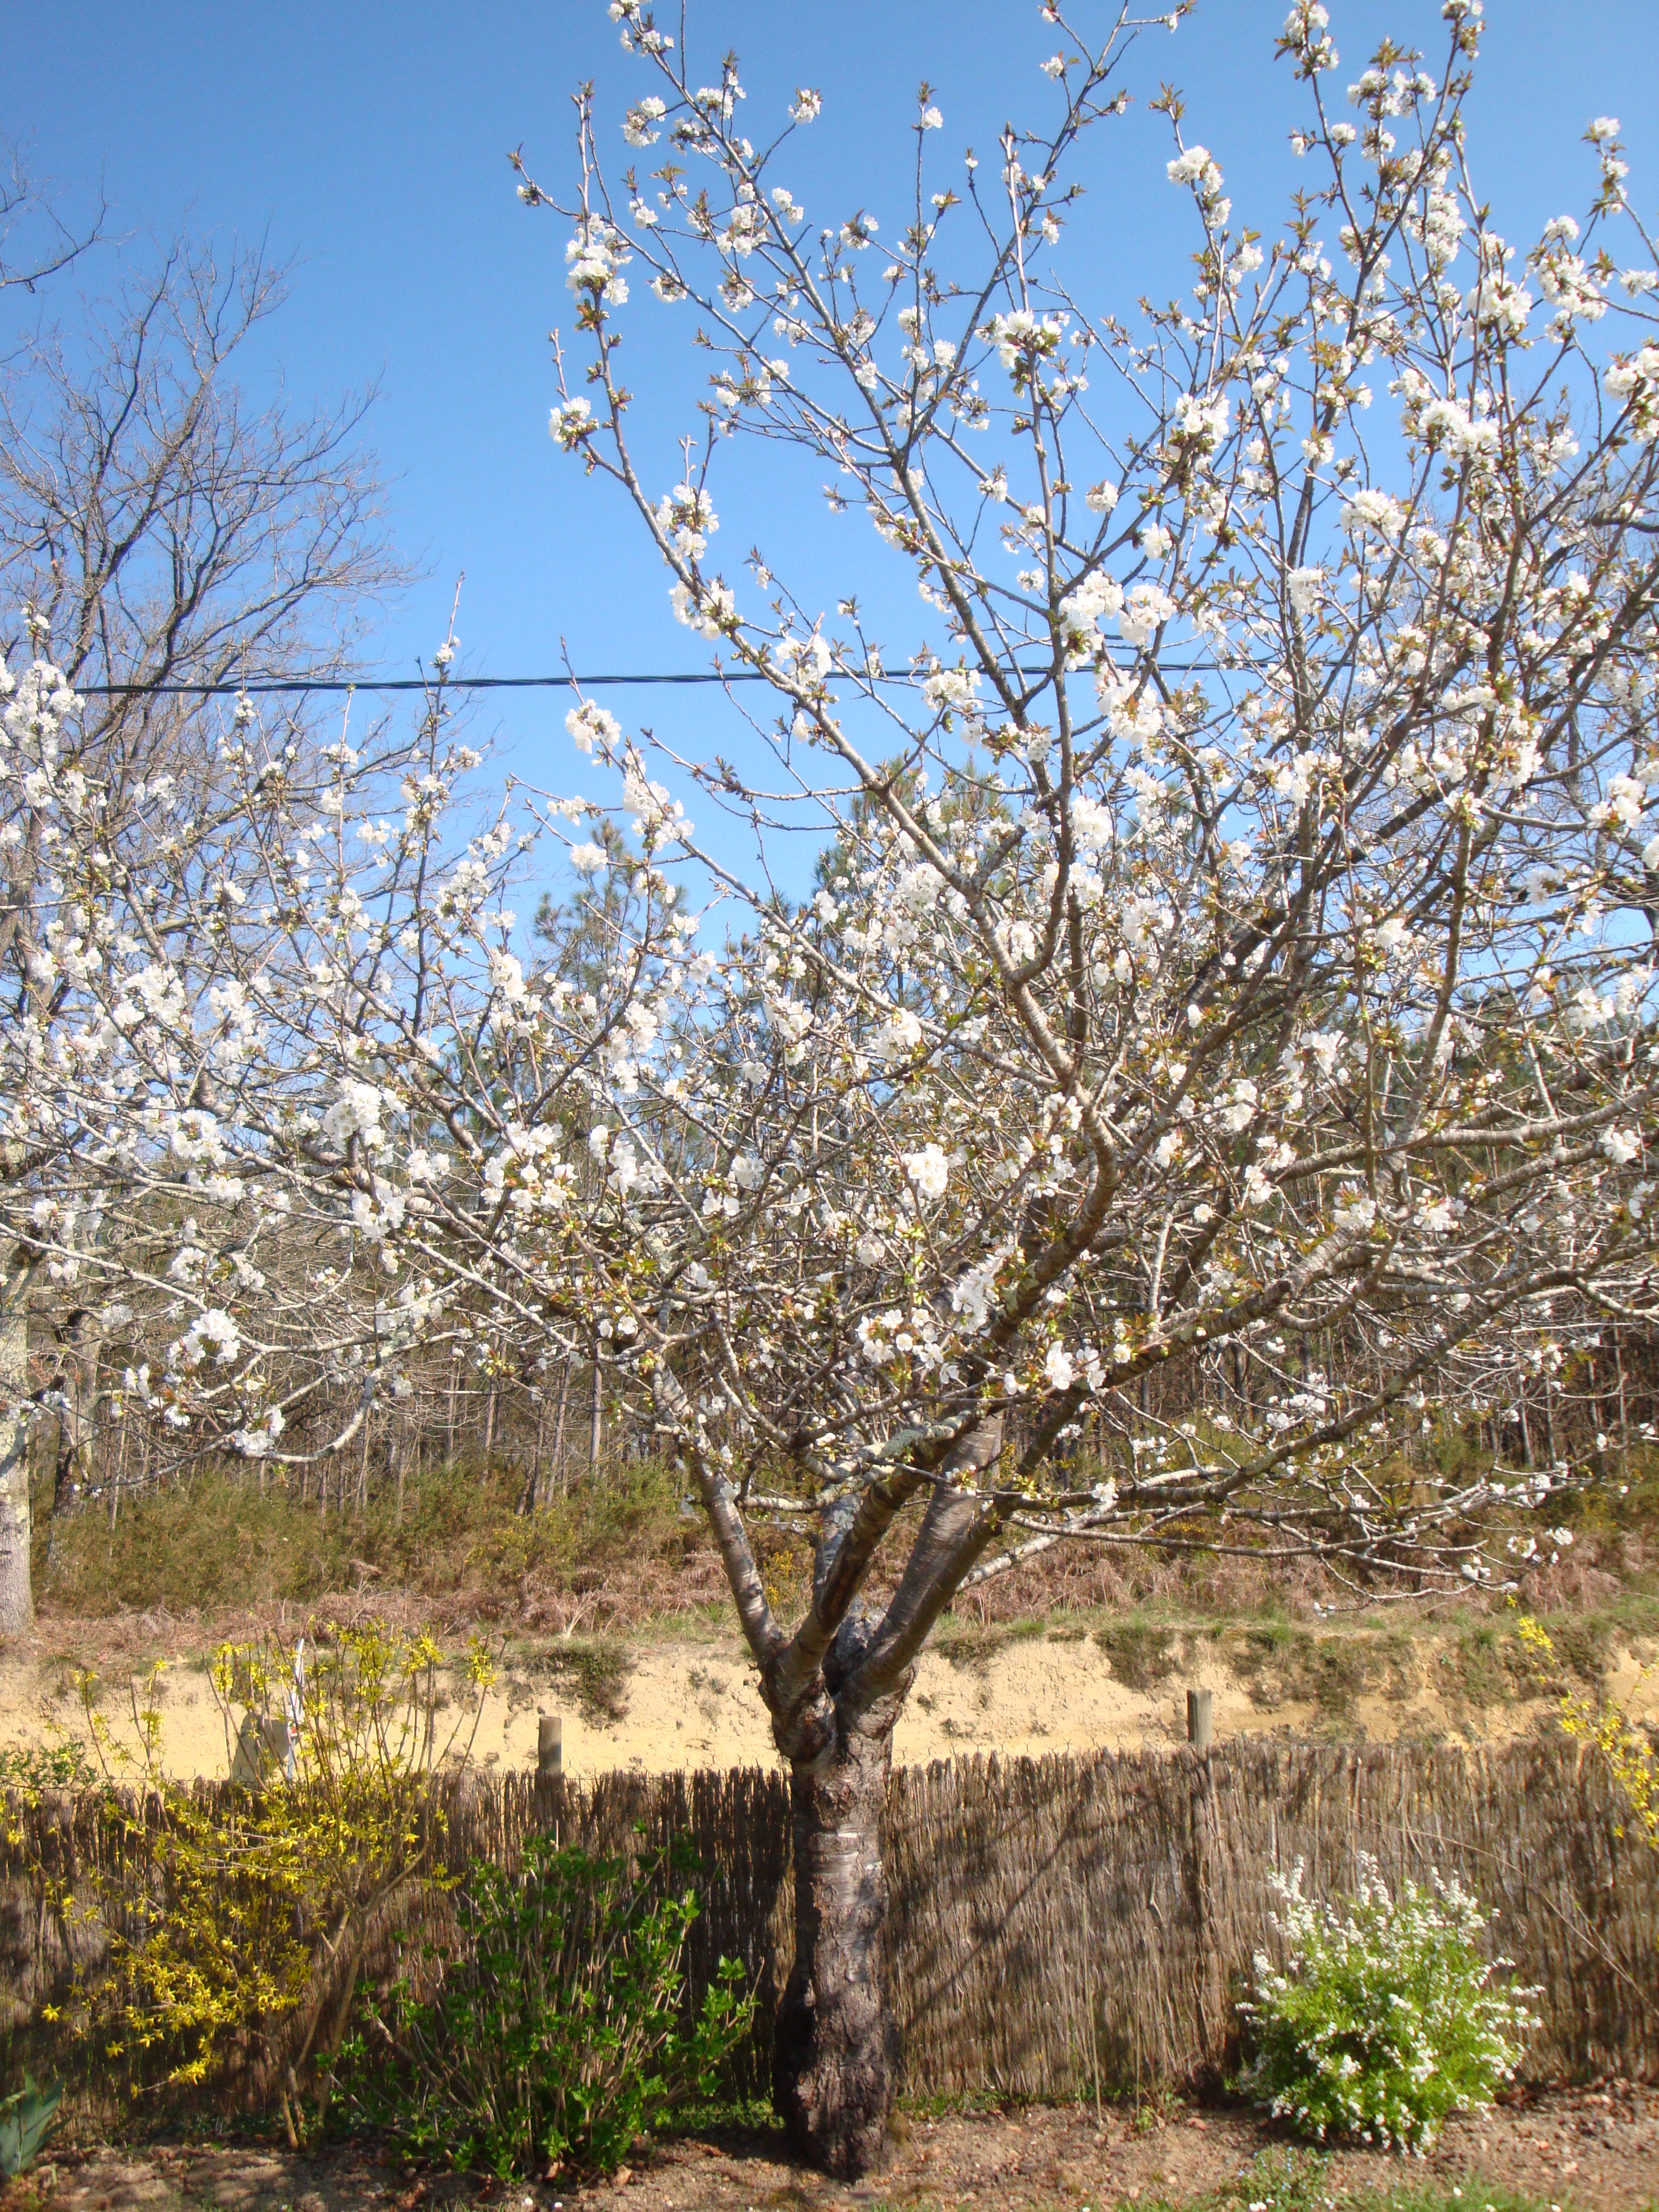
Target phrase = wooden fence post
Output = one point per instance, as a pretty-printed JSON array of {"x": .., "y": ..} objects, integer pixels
[
  {"x": 1210, "y": 1993},
  {"x": 549, "y": 1744}
]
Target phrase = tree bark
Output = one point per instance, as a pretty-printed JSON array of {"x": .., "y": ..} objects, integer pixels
[
  {"x": 835, "y": 2047},
  {"x": 595, "y": 1413},
  {"x": 557, "y": 1475},
  {"x": 835, "y": 1689},
  {"x": 16, "y": 1596},
  {"x": 80, "y": 1341}
]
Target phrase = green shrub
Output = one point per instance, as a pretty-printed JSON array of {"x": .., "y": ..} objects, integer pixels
[
  {"x": 1381, "y": 2022},
  {"x": 558, "y": 2032},
  {"x": 31, "y": 1769}
]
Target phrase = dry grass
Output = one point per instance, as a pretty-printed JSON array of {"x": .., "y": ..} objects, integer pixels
[
  {"x": 622, "y": 1551},
  {"x": 606, "y": 1554}
]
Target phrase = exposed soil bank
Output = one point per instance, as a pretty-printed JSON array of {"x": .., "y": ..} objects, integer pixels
[{"x": 669, "y": 1702}]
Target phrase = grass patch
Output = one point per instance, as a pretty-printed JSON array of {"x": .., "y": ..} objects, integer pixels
[
  {"x": 1284, "y": 2179},
  {"x": 1296, "y": 2180},
  {"x": 1264, "y": 1659},
  {"x": 595, "y": 1672},
  {"x": 952, "y": 2104},
  {"x": 1141, "y": 1656},
  {"x": 1485, "y": 1666},
  {"x": 730, "y": 2115},
  {"x": 964, "y": 1645},
  {"x": 1633, "y": 1613},
  {"x": 1280, "y": 1664},
  {"x": 1434, "y": 2196},
  {"x": 1581, "y": 1645}
]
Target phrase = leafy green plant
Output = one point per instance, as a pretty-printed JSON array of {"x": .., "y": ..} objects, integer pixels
[
  {"x": 32, "y": 1769},
  {"x": 26, "y": 2118},
  {"x": 1280, "y": 2180},
  {"x": 558, "y": 2032},
  {"x": 1380, "y": 2022}
]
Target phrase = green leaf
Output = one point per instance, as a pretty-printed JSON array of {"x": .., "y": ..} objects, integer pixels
[{"x": 26, "y": 2117}]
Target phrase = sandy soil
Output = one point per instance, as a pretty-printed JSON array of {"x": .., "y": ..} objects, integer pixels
[
  {"x": 1579, "y": 2151},
  {"x": 667, "y": 1703}
]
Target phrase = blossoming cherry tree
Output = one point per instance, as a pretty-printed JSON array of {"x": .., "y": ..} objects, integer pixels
[{"x": 1227, "y": 991}]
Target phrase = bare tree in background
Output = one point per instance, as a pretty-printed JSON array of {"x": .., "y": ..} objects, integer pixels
[
  {"x": 167, "y": 531},
  {"x": 36, "y": 244}
]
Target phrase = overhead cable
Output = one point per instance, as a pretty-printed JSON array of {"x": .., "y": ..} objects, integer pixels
[{"x": 260, "y": 686}]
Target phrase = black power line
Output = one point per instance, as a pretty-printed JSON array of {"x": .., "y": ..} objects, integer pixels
[{"x": 259, "y": 687}]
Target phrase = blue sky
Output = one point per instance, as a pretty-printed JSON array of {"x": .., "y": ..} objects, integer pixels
[{"x": 367, "y": 141}]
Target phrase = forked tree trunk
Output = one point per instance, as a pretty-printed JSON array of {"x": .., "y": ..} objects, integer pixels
[
  {"x": 17, "y": 1599},
  {"x": 835, "y": 1691},
  {"x": 835, "y": 2047}
]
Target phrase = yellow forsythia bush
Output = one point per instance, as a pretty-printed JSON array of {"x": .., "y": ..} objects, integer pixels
[{"x": 246, "y": 1945}]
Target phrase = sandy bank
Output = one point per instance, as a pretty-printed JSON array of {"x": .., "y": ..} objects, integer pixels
[{"x": 670, "y": 1703}]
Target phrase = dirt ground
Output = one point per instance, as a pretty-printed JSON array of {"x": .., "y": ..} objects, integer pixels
[
  {"x": 1577, "y": 2150},
  {"x": 662, "y": 1702}
]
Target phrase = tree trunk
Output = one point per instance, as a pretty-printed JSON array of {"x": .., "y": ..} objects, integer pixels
[
  {"x": 595, "y": 1412},
  {"x": 16, "y": 1597},
  {"x": 835, "y": 2047},
  {"x": 556, "y": 1476},
  {"x": 80, "y": 1341}
]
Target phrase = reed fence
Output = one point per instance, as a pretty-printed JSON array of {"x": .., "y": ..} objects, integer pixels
[{"x": 1056, "y": 1925}]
